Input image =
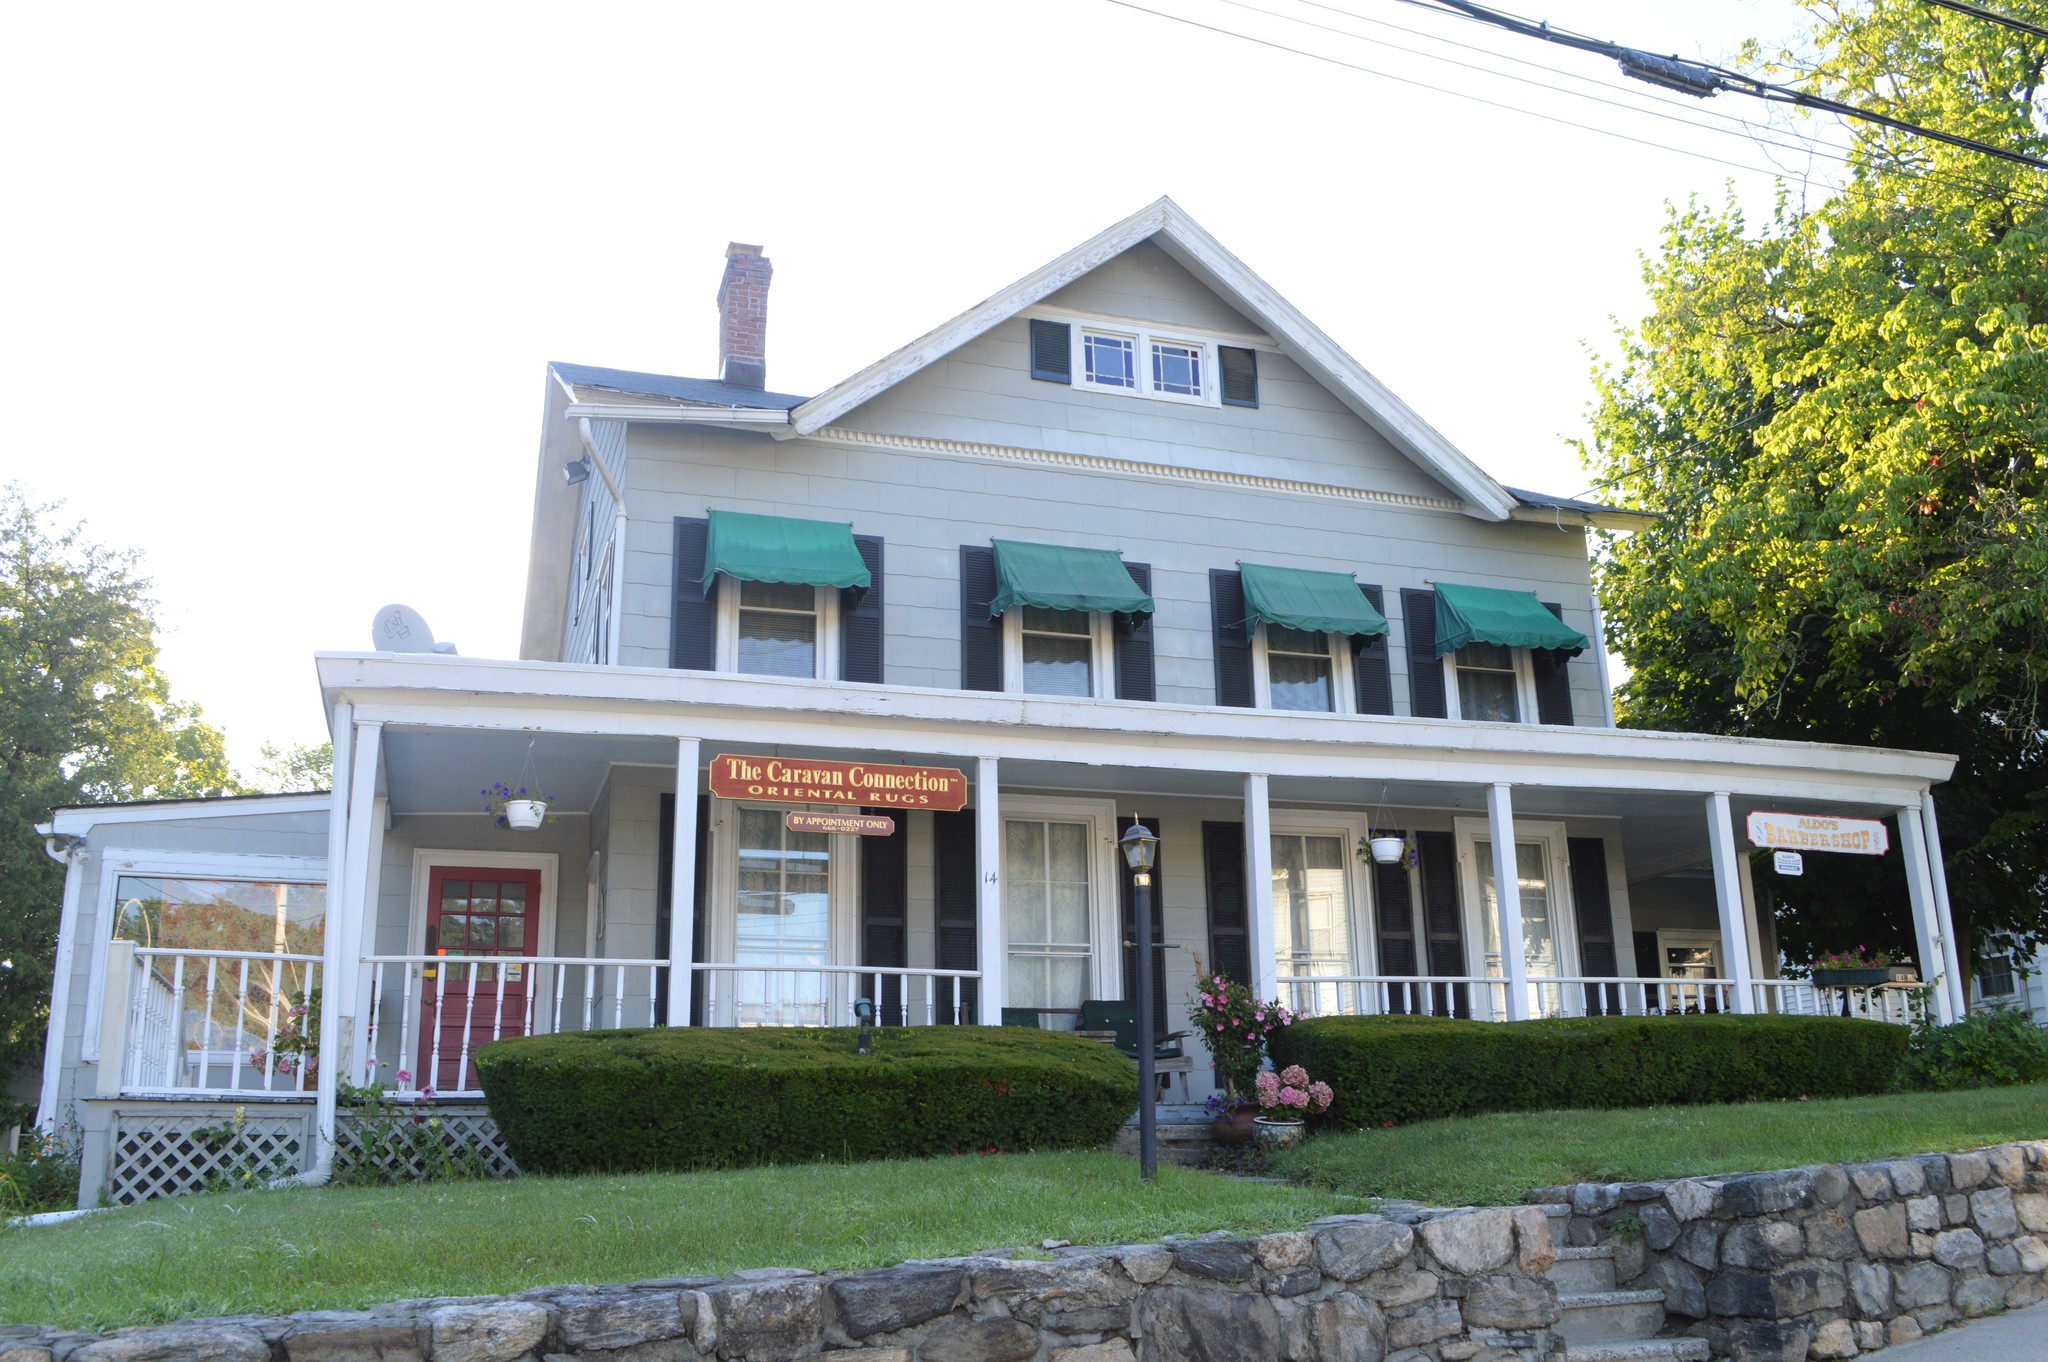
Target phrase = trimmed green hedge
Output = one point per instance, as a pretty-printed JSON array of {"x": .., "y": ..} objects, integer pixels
[
  {"x": 701, "y": 1097},
  {"x": 1401, "y": 1069}
]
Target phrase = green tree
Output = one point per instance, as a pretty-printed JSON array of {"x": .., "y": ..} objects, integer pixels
[
  {"x": 85, "y": 717},
  {"x": 294, "y": 768},
  {"x": 1841, "y": 415}
]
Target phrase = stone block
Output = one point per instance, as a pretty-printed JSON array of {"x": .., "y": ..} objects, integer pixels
[
  {"x": 1595, "y": 1198},
  {"x": 896, "y": 1297},
  {"x": 185, "y": 1343},
  {"x": 496, "y": 1331},
  {"x": 1967, "y": 1170},
  {"x": 1959, "y": 1249},
  {"x": 1690, "y": 1198},
  {"x": 1769, "y": 1340},
  {"x": 1685, "y": 1291},
  {"x": 603, "y": 1322},
  {"x": 769, "y": 1319},
  {"x": 2032, "y": 1210},
  {"x": 1206, "y": 1326},
  {"x": 1955, "y": 1209},
  {"x": 1630, "y": 1258},
  {"x": 1768, "y": 1193},
  {"x": 24, "y": 1352},
  {"x": 1471, "y": 1242},
  {"x": 1881, "y": 1229},
  {"x": 1295, "y": 1281},
  {"x": 1217, "y": 1260},
  {"x": 2032, "y": 1253},
  {"x": 1977, "y": 1297},
  {"x": 1511, "y": 1303},
  {"x": 1342, "y": 1328},
  {"x": 1872, "y": 1181},
  {"x": 1936, "y": 1317},
  {"x": 1147, "y": 1264},
  {"x": 1920, "y": 1244},
  {"x": 1836, "y": 1338},
  {"x": 1660, "y": 1227},
  {"x": 1769, "y": 1243},
  {"x": 1278, "y": 1252},
  {"x": 1828, "y": 1236},
  {"x": 349, "y": 1336},
  {"x": 1424, "y": 1324},
  {"x": 1994, "y": 1213},
  {"x": 1747, "y": 1295},
  {"x": 2026, "y": 1291},
  {"x": 1935, "y": 1168},
  {"x": 1908, "y": 1178},
  {"x": 1109, "y": 1350},
  {"x": 1870, "y": 1289},
  {"x": 1830, "y": 1185},
  {"x": 978, "y": 1340},
  {"x": 1359, "y": 1248},
  {"x": 1635, "y": 1193},
  {"x": 1700, "y": 1244},
  {"x": 1869, "y": 1334},
  {"x": 1535, "y": 1251},
  {"x": 1923, "y": 1213},
  {"x": 2003, "y": 1259},
  {"x": 2008, "y": 1164},
  {"x": 1402, "y": 1286},
  {"x": 1904, "y": 1329},
  {"x": 1919, "y": 1285}
]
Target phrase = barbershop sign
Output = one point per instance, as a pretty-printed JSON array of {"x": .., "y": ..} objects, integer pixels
[
  {"x": 775, "y": 780},
  {"x": 1815, "y": 832}
]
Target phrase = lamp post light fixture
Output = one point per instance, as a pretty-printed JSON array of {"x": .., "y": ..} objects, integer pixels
[{"x": 1141, "y": 850}]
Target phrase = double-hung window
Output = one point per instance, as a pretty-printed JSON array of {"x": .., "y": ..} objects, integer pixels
[
  {"x": 1059, "y": 609},
  {"x": 777, "y": 630},
  {"x": 1057, "y": 650},
  {"x": 1503, "y": 653},
  {"x": 1305, "y": 626},
  {"x": 1490, "y": 682},
  {"x": 778, "y": 584},
  {"x": 1301, "y": 670}
]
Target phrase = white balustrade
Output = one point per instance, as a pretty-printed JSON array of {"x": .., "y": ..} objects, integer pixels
[
  {"x": 1484, "y": 997},
  {"x": 207, "y": 1023},
  {"x": 825, "y": 995}
]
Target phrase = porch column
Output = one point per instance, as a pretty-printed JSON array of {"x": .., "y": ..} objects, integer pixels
[
  {"x": 682, "y": 884},
  {"x": 345, "y": 921},
  {"x": 1934, "y": 967},
  {"x": 1728, "y": 894},
  {"x": 1937, "y": 869},
  {"x": 1258, "y": 890},
  {"x": 1507, "y": 898},
  {"x": 988, "y": 892}
]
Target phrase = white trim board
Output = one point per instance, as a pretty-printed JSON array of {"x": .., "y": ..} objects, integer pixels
[{"x": 84, "y": 819}]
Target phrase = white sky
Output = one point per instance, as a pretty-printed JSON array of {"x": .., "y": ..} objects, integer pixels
[{"x": 284, "y": 280}]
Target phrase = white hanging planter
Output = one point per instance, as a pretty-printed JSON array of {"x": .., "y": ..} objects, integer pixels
[
  {"x": 524, "y": 815},
  {"x": 1388, "y": 850}
]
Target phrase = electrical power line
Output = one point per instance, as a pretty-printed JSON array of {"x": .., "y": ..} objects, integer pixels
[{"x": 1990, "y": 17}]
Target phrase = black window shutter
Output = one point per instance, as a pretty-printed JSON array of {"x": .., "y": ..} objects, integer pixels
[
  {"x": 1130, "y": 921},
  {"x": 1396, "y": 903},
  {"x": 1596, "y": 922},
  {"x": 981, "y": 638},
  {"x": 693, "y": 616},
  {"x": 1553, "y": 685},
  {"x": 1371, "y": 668},
  {"x": 884, "y": 894},
  {"x": 664, "y": 879},
  {"x": 1425, "y": 669},
  {"x": 860, "y": 621},
  {"x": 1135, "y": 675},
  {"x": 1230, "y": 951},
  {"x": 1648, "y": 964},
  {"x": 1233, "y": 647},
  {"x": 1442, "y": 919},
  {"x": 953, "y": 888},
  {"x": 1052, "y": 351},
  {"x": 1240, "y": 375}
]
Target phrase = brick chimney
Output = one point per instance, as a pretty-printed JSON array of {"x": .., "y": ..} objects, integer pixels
[{"x": 743, "y": 317}]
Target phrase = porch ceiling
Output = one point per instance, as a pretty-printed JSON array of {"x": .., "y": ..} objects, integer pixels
[{"x": 441, "y": 770}]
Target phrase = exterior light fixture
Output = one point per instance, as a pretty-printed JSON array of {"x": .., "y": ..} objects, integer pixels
[
  {"x": 1141, "y": 852},
  {"x": 576, "y": 470}
]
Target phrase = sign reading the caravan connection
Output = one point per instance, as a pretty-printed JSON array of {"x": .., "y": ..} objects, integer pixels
[
  {"x": 1814, "y": 832},
  {"x": 774, "y": 780}
]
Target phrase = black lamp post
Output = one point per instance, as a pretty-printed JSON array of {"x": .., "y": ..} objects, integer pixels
[{"x": 1140, "y": 850}]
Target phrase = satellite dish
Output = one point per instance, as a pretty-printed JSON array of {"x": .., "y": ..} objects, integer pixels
[{"x": 401, "y": 629}]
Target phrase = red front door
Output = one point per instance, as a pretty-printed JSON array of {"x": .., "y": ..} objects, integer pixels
[{"x": 474, "y": 911}]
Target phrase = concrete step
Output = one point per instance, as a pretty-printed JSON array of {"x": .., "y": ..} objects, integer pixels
[
  {"x": 1560, "y": 1214},
  {"x": 1639, "y": 1350},
  {"x": 1180, "y": 1142},
  {"x": 1584, "y": 1271},
  {"x": 1609, "y": 1316}
]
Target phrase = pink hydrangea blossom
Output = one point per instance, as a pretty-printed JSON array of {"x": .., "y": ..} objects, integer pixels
[{"x": 1294, "y": 1076}]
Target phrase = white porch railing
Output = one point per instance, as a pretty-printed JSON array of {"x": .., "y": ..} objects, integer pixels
[
  {"x": 1485, "y": 997},
  {"x": 430, "y": 1013},
  {"x": 207, "y": 1023}
]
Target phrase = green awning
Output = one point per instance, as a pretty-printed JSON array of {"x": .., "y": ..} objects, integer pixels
[
  {"x": 774, "y": 548},
  {"x": 1488, "y": 614},
  {"x": 1055, "y": 577},
  {"x": 1299, "y": 598}
]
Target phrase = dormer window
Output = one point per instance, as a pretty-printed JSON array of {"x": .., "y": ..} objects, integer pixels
[
  {"x": 1109, "y": 361},
  {"x": 1137, "y": 361}
]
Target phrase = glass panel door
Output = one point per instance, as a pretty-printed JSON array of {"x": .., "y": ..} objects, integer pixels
[
  {"x": 1311, "y": 906},
  {"x": 1047, "y": 912},
  {"x": 784, "y": 933},
  {"x": 1539, "y": 928},
  {"x": 1691, "y": 960}
]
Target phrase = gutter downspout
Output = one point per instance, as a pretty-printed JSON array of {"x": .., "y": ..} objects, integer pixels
[
  {"x": 614, "y": 629},
  {"x": 1600, "y": 658},
  {"x": 343, "y": 729},
  {"x": 70, "y": 856}
]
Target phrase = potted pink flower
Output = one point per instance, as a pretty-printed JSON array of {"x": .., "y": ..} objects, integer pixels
[{"x": 1286, "y": 1101}]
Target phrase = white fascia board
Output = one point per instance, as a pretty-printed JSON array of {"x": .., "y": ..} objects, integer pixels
[
  {"x": 82, "y": 819},
  {"x": 1605, "y": 518},
  {"x": 431, "y": 691},
  {"x": 661, "y": 415},
  {"x": 1216, "y": 267}
]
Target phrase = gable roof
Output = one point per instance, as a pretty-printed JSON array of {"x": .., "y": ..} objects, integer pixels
[
  {"x": 1180, "y": 236},
  {"x": 704, "y": 392}
]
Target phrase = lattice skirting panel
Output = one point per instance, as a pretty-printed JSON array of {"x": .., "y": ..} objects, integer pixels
[
  {"x": 468, "y": 1132},
  {"x": 155, "y": 1155}
]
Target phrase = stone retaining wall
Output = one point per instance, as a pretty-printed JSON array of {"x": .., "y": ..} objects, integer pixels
[
  {"x": 1834, "y": 1260},
  {"x": 1460, "y": 1286}
]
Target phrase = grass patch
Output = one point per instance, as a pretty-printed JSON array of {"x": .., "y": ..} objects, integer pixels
[
  {"x": 335, "y": 1247},
  {"x": 1502, "y": 1156}
]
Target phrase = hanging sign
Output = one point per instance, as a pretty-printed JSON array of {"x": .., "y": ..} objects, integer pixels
[
  {"x": 859, "y": 824},
  {"x": 1784, "y": 862},
  {"x": 1816, "y": 832},
  {"x": 776, "y": 780}
]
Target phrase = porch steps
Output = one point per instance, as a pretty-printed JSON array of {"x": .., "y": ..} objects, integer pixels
[
  {"x": 1584, "y": 1271},
  {"x": 1640, "y": 1350},
  {"x": 1599, "y": 1323},
  {"x": 1609, "y": 1316}
]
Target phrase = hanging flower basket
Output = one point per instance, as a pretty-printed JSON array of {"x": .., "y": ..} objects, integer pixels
[
  {"x": 516, "y": 807},
  {"x": 1387, "y": 848},
  {"x": 525, "y": 814}
]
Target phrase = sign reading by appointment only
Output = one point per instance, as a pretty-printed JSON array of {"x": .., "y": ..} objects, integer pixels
[{"x": 1818, "y": 832}]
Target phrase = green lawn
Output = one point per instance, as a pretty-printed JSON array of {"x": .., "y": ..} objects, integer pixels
[
  {"x": 1501, "y": 1157},
  {"x": 269, "y": 1252}
]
